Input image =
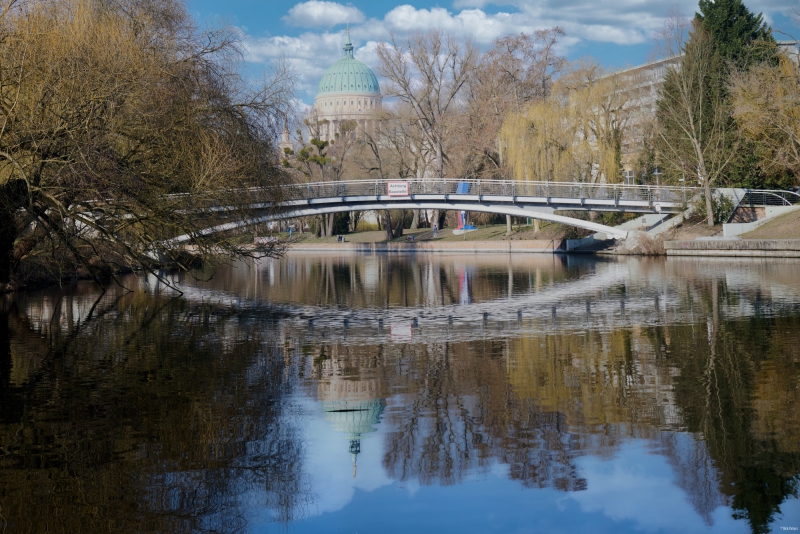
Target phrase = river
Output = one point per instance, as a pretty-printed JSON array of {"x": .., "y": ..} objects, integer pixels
[{"x": 407, "y": 393}]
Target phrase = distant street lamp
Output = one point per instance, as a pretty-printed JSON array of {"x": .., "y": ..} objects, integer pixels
[{"x": 657, "y": 174}]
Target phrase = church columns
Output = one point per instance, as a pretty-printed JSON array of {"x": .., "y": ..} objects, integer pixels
[{"x": 333, "y": 112}]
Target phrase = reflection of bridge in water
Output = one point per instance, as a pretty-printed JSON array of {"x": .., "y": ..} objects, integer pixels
[
  {"x": 612, "y": 295},
  {"x": 615, "y": 295}
]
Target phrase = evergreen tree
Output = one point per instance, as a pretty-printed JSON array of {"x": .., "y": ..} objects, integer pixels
[{"x": 741, "y": 37}]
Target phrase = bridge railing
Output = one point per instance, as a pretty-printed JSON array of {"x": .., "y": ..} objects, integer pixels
[
  {"x": 765, "y": 197},
  {"x": 449, "y": 186}
]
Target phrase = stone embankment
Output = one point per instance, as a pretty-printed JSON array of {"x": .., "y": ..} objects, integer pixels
[
  {"x": 454, "y": 247},
  {"x": 742, "y": 248}
]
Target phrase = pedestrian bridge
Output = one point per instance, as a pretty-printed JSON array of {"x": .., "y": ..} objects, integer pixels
[{"x": 536, "y": 200}]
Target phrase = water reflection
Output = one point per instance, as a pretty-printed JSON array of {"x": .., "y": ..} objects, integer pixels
[
  {"x": 134, "y": 412},
  {"x": 308, "y": 387}
]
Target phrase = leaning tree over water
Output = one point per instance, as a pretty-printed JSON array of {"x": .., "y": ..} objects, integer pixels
[{"x": 118, "y": 121}]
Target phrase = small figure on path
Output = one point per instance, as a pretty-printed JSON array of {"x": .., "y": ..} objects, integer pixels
[{"x": 435, "y": 230}]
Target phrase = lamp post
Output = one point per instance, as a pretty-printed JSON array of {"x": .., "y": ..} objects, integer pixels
[{"x": 657, "y": 174}]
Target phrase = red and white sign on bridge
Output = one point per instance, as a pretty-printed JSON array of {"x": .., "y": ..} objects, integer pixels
[{"x": 397, "y": 189}]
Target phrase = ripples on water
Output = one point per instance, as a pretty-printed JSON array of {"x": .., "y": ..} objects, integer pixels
[{"x": 485, "y": 393}]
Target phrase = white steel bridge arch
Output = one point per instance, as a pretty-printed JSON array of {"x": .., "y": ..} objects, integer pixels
[
  {"x": 499, "y": 209},
  {"x": 538, "y": 200}
]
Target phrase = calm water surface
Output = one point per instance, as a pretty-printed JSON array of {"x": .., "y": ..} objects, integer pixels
[{"x": 408, "y": 394}]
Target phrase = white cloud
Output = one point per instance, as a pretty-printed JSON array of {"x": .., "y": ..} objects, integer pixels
[
  {"x": 470, "y": 22},
  {"x": 623, "y": 22},
  {"x": 639, "y": 487},
  {"x": 321, "y": 14},
  {"x": 310, "y": 54}
]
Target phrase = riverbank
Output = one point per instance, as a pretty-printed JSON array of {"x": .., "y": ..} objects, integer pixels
[
  {"x": 492, "y": 232},
  {"x": 776, "y": 238},
  {"x": 454, "y": 247},
  {"x": 741, "y": 248},
  {"x": 744, "y": 248}
]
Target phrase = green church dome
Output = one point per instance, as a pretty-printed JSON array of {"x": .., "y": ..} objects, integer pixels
[{"x": 348, "y": 75}]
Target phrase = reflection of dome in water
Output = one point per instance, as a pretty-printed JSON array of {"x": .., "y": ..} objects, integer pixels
[{"x": 354, "y": 417}]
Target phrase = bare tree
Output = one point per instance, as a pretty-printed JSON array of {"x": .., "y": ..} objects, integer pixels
[
  {"x": 693, "y": 118},
  {"x": 323, "y": 161},
  {"x": 517, "y": 70},
  {"x": 396, "y": 148},
  {"x": 428, "y": 73}
]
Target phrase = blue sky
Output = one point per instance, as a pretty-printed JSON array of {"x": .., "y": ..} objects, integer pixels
[{"x": 310, "y": 34}]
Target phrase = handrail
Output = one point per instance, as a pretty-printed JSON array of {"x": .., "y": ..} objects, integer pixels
[
  {"x": 765, "y": 193},
  {"x": 505, "y": 188},
  {"x": 509, "y": 183},
  {"x": 546, "y": 192}
]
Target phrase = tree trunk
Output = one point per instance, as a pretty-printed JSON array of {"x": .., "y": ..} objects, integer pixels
[
  {"x": 397, "y": 225},
  {"x": 329, "y": 227},
  {"x": 5, "y": 354},
  {"x": 398, "y": 231},
  {"x": 387, "y": 225},
  {"x": 440, "y": 157},
  {"x": 415, "y": 220},
  {"x": 318, "y": 229},
  {"x": 709, "y": 204},
  {"x": 536, "y": 225},
  {"x": 701, "y": 169},
  {"x": 8, "y": 234},
  {"x": 12, "y": 196},
  {"x": 508, "y": 225}
]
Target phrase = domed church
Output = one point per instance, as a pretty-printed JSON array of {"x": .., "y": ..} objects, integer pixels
[{"x": 348, "y": 91}]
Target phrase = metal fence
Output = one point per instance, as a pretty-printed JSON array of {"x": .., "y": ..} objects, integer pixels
[
  {"x": 498, "y": 188},
  {"x": 768, "y": 197}
]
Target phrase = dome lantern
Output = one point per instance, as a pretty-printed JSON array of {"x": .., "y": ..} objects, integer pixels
[{"x": 348, "y": 46}]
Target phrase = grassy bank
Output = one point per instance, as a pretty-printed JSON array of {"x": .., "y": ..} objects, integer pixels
[{"x": 785, "y": 226}]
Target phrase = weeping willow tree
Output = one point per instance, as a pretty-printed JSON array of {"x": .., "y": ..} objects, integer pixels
[
  {"x": 538, "y": 142},
  {"x": 577, "y": 133}
]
